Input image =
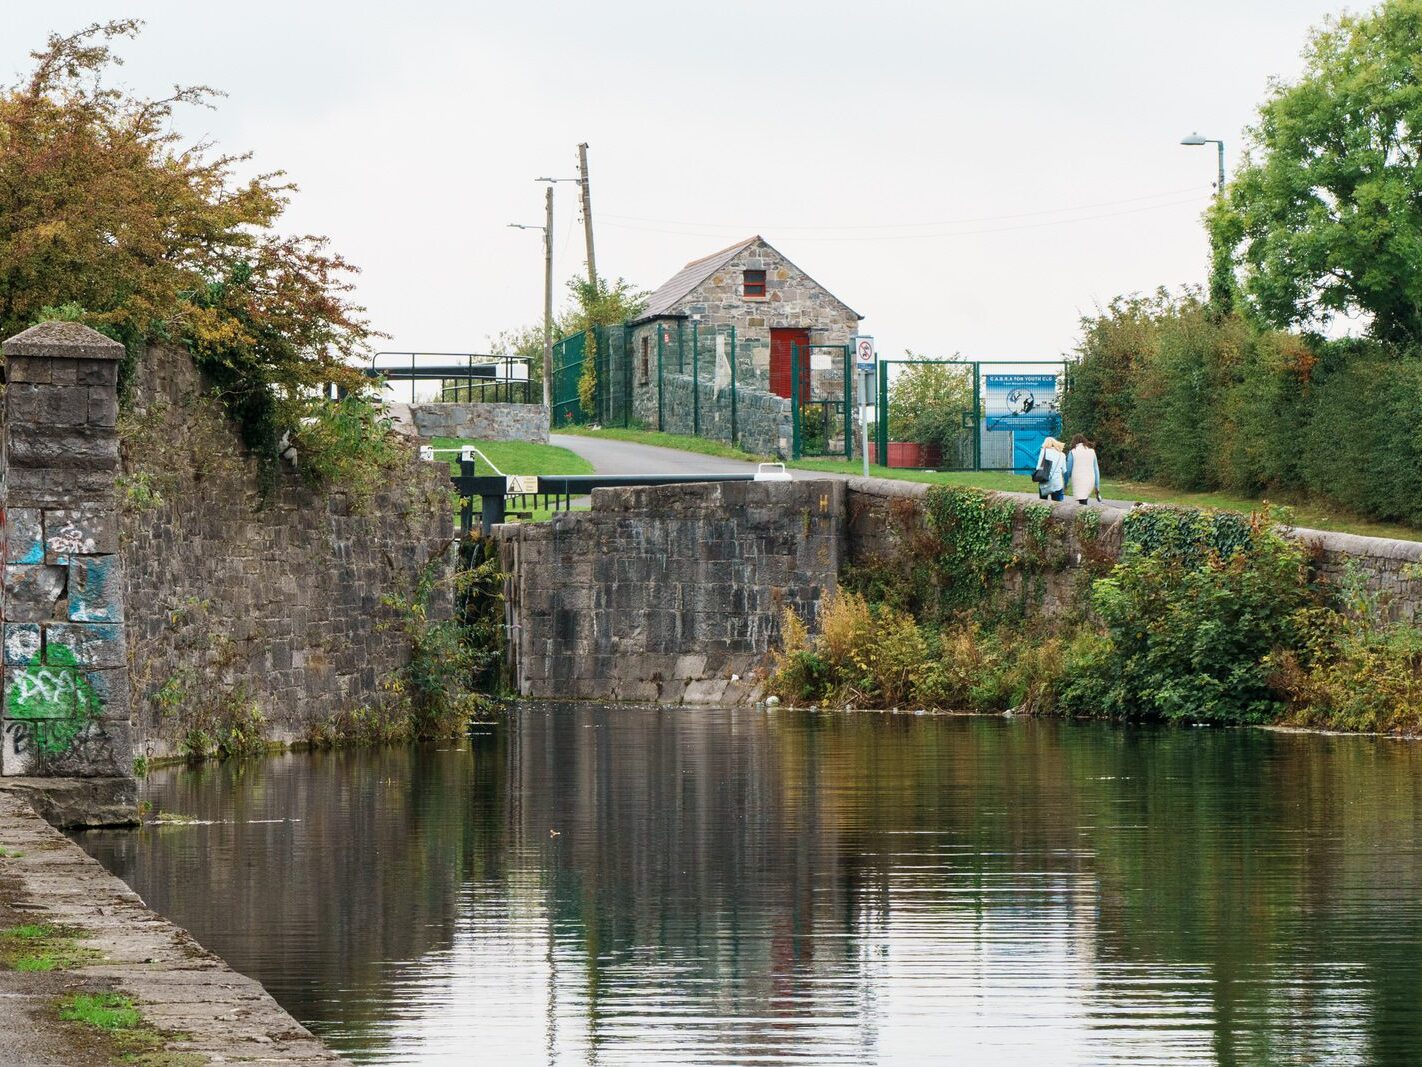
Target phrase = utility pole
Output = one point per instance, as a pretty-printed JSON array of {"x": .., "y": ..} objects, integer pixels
[
  {"x": 547, "y": 229},
  {"x": 548, "y": 301},
  {"x": 587, "y": 214}
]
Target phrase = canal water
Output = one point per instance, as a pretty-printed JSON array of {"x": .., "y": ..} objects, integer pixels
[{"x": 589, "y": 885}]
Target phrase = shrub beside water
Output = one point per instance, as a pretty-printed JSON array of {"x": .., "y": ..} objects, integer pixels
[{"x": 1207, "y": 617}]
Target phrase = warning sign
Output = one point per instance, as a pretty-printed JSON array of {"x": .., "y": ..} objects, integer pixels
[{"x": 864, "y": 353}]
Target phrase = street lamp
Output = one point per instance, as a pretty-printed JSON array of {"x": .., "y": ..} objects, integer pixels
[
  {"x": 1194, "y": 140},
  {"x": 547, "y": 229}
]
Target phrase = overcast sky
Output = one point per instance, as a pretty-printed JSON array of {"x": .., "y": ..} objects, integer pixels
[{"x": 970, "y": 177}]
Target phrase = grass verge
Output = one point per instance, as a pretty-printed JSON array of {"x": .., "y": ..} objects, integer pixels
[
  {"x": 120, "y": 1026},
  {"x": 517, "y": 457},
  {"x": 41, "y": 947}
]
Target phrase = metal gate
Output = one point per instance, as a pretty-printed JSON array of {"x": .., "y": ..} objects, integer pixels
[
  {"x": 612, "y": 369},
  {"x": 821, "y": 405},
  {"x": 968, "y": 420},
  {"x": 567, "y": 371}
]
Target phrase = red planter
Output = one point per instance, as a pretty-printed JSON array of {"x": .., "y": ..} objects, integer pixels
[{"x": 908, "y": 454}]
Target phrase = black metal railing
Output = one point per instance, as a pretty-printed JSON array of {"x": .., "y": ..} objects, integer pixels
[
  {"x": 554, "y": 492},
  {"x": 470, "y": 377}
]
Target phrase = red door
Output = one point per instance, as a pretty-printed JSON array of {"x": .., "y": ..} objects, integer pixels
[{"x": 782, "y": 344}]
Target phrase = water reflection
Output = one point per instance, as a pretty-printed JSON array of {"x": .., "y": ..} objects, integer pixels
[{"x": 604, "y": 886}]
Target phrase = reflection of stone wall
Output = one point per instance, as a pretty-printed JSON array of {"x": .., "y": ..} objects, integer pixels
[
  {"x": 65, "y": 706},
  {"x": 482, "y": 422}
]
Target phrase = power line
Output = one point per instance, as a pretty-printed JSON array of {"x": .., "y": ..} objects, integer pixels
[
  {"x": 907, "y": 225},
  {"x": 1198, "y": 198}
]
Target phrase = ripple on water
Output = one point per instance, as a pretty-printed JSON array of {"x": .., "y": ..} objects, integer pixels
[{"x": 586, "y": 885}]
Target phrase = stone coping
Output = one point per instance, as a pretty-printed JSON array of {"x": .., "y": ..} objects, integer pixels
[{"x": 62, "y": 340}]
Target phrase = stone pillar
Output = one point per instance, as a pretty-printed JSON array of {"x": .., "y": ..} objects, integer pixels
[{"x": 65, "y": 708}]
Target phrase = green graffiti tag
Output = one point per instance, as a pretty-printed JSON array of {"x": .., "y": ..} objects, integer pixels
[{"x": 55, "y": 697}]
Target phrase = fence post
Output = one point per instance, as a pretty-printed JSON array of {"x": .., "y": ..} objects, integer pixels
[
  {"x": 466, "y": 504},
  {"x": 66, "y": 702},
  {"x": 626, "y": 376},
  {"x": 794, "y": 401},
  {"x": 661, "y": 338},
  {"x": 977, "y": 418},
  {"x": 881, "y": 415},
  {"x": 848, "y": 406},
  {"x": 695, "y": 378},
  {"x": 735, "y": 435}
]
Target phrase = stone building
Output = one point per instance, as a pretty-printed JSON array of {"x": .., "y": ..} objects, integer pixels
[{"x": 737, "y": 316}]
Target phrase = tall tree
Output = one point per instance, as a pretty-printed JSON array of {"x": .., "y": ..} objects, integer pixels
[
  {"x": 1327, "y": 209},
  {"x": 104, "y": 211}
]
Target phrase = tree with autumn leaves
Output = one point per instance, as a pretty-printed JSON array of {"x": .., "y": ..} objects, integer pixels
[{"x": 106, "y": 216}]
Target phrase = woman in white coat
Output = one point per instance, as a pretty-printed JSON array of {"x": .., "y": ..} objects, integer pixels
[{"x": 1083, "y": 473}]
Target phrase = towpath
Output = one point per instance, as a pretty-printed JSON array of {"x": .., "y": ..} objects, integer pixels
[
  {"x": 199, "y": 1009},
  {"x": 627, "y": 457}
]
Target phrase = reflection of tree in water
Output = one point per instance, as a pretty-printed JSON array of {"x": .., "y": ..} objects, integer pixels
[
  {"x": 818, "y": 886},
  {"x": 372, "y": 869}
]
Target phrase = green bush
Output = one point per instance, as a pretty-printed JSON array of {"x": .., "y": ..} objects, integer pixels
[
  {"x": 1175, "y": 393},
  {"x": 1190, "y": 627}
]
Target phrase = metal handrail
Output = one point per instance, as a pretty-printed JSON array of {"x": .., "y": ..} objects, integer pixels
[{"x": 475, "y": 369}]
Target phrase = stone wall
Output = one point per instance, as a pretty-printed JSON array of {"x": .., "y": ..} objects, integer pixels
[
  {"x": 1388, "y": 567},
  {"x": 671, "y": 594},
  {"x": 880, "y": 510},
  {"x": 65, "y": 708},
  {"x": 762, "y": 420},
  {"x": 882, "y": 515},
  {"x": 482, "y": 422},
  {"x": 240, "y": 602},
  {"x": 662, "y": 594}
]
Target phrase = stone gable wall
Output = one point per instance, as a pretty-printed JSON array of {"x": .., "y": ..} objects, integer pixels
[{"x": 793, "y": 300}]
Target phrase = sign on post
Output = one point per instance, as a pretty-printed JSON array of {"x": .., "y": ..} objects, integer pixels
[
  {"x": 864, "y": 353},
  {"x": 864, "y": 359}
]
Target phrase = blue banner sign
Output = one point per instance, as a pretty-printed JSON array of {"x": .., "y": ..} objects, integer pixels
[{"x": 1021, "y": 402}]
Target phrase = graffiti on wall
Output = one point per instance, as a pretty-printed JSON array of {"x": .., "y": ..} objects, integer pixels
[{"x": 54, "y": 700}]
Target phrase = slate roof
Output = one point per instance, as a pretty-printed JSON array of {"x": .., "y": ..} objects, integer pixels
[{"x": 676, "y": 288}]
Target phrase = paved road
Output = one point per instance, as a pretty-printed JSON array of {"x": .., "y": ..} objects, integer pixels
[{"x": 625, "y": 457}]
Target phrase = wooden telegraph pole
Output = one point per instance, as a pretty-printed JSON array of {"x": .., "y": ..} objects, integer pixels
[
  {"x": 548, "y": 302},
  {"x": 587, "y": 214}
]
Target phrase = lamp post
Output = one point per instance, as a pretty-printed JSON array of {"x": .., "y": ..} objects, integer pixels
[
  {"x": 1194, "y": 140},
  {"x": 547, "y": 229}
]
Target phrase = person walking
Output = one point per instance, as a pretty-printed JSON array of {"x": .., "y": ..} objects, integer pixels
[
  {"x": 1083, "y": 473},
  {"x": 1053, "y": 454}
]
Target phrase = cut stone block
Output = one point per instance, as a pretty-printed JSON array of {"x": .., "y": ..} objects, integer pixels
[
  {"x": 17, "y": 747},
  {"x": 84, "y": 645},
  {"x": 95, "y": 589},
  {"x": 22, "y": 644},
  {"x": 32, "y": 591},
  {"x": 82, "y": 532},
  {"x": 24, "y": 536},
  {"x": 65, "y": 747}
]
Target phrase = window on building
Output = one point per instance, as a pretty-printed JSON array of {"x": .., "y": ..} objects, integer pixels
[{"x": 754, "y": 283}]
